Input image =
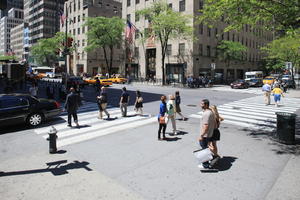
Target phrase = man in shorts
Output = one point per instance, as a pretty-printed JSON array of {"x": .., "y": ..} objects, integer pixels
[{"x": 208, "y": 124}]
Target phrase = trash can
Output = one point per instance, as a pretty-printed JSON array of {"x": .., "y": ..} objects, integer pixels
[{"x": 286, "y": 123}]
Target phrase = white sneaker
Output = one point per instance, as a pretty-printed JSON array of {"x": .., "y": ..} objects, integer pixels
[{"x": 200, "y": 166}]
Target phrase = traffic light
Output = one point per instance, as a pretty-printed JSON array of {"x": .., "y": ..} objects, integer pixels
[
  {"x": 3, "y": 4},
  {"x": 69, "y": 42}
]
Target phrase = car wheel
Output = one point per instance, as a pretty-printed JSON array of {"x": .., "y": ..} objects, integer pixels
[
  {"x": 35, "y": 119},
  {"x": 232, "y": 87}
]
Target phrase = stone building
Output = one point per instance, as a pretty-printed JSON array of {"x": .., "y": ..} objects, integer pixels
[
  {"x": 80, "y": 61},
  {"x": 191, "y": 58}
]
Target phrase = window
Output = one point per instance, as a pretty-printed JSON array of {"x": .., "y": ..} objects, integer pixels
[
  {"x": 83, "y": 17},
  {"x": 78, "y": 4},
  {"x": 83, "y": 43},
  {"x": 181, "y": 48},
  {"x": 13, "y": 102},
  {"x": 137, "y": 34},
  {"x": 201, "y": 49},
  {"x": 227, "y": 35},
  {"x": 78, "y": 18},
  {"x": 74, "y": 6},
  {"x": 128, "y": 3},
  {"x": 136, "y": 52},
  {"x": 208, "y": 50},
  {"x": 216, "y": 32},
  {"x": 137, "y": 17},
  {"x": 74, "y": 20},
  {"x": 78, "y": 31},
  {"x": 233, "y": 37},
  {"x": 201, "y": 29},
  {"x": 137, "y": 1},
  {"x": 83, "y": 29},
  {"x": 208, "y": 31},
  {"x": 128, "y": 17},
  {"x": 74, "y": 31},
  {"x": 181, "y": 5},
  {"x": 170, "y": 5},
  {"x": 201, "y": 4},
  {"x": 78, "y": 43},
  {"x": 169, "y": 49}
]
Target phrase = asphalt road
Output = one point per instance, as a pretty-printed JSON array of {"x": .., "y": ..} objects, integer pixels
[{"x": 130, "y": 163}]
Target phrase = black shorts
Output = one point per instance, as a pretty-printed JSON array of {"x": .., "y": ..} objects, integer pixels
[{"x": 216, "y": 135}]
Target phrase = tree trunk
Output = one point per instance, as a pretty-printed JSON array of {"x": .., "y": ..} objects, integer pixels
[
  {"x": 111, "y": 60},
  {"x": 105, "y": 56}
]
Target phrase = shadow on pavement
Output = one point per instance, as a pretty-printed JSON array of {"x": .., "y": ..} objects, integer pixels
[
  {"x": 53, "y": 167},
  {"x": 225, "y": 163}
]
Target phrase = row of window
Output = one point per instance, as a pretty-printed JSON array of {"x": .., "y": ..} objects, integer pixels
[{"x": 181, "y": 4}]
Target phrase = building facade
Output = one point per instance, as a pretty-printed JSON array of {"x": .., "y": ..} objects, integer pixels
[
  {"x": 79, "y": 61},
  {"x": 191, "y": 58},
  {"x": 7, "y": 23},
  {"x": 20, "y": 41},
  {"x": 11, "y": 4}
]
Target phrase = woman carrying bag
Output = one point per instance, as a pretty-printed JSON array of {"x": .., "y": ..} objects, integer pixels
[
  {"x": 162, "y": 118},
  {"x": 102, "y": 103},
  {"x": 216, "y": 135}
]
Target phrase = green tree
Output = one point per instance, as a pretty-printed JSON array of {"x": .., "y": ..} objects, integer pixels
[
  {"x": 229, "y": 51},
  {"x": 270, "y": 14},
  {"x": 167, "y": 24},
  {"x": 104, "y": 33},
  {"x": 46, "y": 51},
  {"x": 285, "y": 49},
  {"x": 3, "y": 57}
]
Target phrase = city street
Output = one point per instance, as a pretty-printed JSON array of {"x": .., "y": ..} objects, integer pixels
[{"x": 121, "y": 158}]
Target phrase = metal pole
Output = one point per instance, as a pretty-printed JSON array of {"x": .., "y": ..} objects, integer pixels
[{"x": 66, "y": 49}]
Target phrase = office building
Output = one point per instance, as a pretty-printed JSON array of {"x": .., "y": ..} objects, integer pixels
[
  {"x": 191, "y": 58},
  {"x": 20, "y": 41},
  {"x": 14, "y": 18},
  {"x": 9, "y": 5},
  {"x": 79, "y": 61}
]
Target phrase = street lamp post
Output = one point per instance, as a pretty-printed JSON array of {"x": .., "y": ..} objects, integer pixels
[{"x": 66, "y": 50}]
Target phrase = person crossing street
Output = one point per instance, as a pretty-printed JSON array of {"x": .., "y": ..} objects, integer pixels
[
  {"x": 72, "y": 104},
  {"x": 266, "y": 88},
  {"x": 124, "y": 100}
]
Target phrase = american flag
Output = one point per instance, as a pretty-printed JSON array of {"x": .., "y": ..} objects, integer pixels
[
  {"x": 62, "y": 16},
  {"x": 130, "y": 30}
]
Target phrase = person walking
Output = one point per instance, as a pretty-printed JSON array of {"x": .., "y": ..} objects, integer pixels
[
  {"x": 208, "y": 124},
  {"x": 98, "y": 85},
  {"x": 177, "y": 105},
  {"x": 102, "y": 103},
  {"x": 138, "y": 105},
  {"x": 171, "y": 113},
  {"x": 266, "y": 88},
  {"x": 162, "y": 118},
  {"x": 124, "y": 102},
  {"x": 33, "y": 90},
  {"x": 277, "y": 94},
  {"x": 216, "y": 133},
  {"x": 72, "y": 104}
]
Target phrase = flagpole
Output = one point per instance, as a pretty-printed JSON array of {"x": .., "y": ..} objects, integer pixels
[{"x": 66, "y": 49}]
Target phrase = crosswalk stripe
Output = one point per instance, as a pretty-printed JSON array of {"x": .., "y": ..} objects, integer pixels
[
  {"x": 85, "y": 137},
  {"x": 253, "y": 113},
  {"x": 91, "y": 114},
  {"x": 97, "y": 126},
  {"x": 92, "y": 119}
]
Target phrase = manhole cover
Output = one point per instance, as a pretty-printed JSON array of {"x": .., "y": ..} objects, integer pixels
[{"x": 191, "y": 105}]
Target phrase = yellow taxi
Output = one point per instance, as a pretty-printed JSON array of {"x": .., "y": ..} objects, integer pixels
[
  {"x": 118, "y": 79},
  {"x": 103, "y": 80},
  {"x": 269, "y": 79}
]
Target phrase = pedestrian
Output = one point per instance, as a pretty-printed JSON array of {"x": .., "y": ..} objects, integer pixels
[
  {"x": 72, "y": 104},
  {"x": 138, "y": 105},
  {"x": 124, "y": 100},
  {"x": 208, "y": 124},
  {"x": 102, "y": 103},
  {"x": 277, "y": 94},
  {"x": 162, "y": 118},
  {"x": 266, "y": 88},
  {"x": 177, "y": 105},
  {"x": 98, "y": 85},
  {"x": 216, "y": 133},
  {"x": 171, "y": 113},
  {"x": 33, "y": 90}
]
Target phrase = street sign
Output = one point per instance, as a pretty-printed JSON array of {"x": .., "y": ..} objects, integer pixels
[
  {"x": 213, "y": 66},
  {"x": 288, "y": 65}
]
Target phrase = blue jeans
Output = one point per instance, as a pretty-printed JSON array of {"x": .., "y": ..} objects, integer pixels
[{"x": 204, "y": 145}]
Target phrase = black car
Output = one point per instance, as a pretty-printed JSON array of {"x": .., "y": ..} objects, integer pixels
[
  {"x": 240, "y": 83},
  {"x": 20, "y": 108}
]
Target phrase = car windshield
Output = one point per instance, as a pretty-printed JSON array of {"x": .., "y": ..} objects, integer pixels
[{"x": 268, "y": 78}]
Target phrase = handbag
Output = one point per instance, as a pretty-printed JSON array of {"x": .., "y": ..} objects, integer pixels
[
  {"x": 162, "y": 120},
  {"x": 203, "y": 155}
]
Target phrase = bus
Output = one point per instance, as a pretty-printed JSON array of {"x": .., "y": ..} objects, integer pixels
[
  {"x": 44, "y": 71},
  {"x": 254, "y": 78}
]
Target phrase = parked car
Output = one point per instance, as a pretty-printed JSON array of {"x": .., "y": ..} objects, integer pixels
[
  {"x": 255, "y": 83},
  {"x": 269, "y": 79},
  {"x": 240, "y": 83},
  {"x": 24, "y": 108}
]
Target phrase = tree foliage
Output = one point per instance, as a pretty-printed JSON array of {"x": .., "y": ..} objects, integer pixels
[
  {"x": 46, "y": 51},
  {"x": 5, "y": 57},
  {"x": 229, "y": 51},
  {"x": 270, "y": 14},
  {"x": 285, "y": 49},
  {"x": 104, "y": 33},
  {"x": 167, "y": 24}
]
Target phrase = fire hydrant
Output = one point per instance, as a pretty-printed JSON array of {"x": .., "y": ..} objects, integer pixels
[{"x": 52, "y": 140}]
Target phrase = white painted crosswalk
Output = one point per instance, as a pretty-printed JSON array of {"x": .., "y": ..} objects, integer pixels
[
  {"x": 250, "y": 90},
  {"x": 91, "y": 127},
  {"x": 252, "y": 113},
  {"x": 87, "y": 106}
]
